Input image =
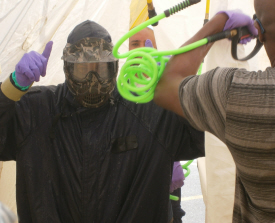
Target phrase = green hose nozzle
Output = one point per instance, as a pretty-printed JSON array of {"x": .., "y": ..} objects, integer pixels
[{"x": 144, "y": 66}]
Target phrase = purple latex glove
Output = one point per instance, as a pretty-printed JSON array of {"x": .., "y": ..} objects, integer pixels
[
  {"x": 148, "y": 43},
  {"x": 32, "y": 65},
  {"x": 177, "y": 177},
  {"x": 237, "y": 19}
]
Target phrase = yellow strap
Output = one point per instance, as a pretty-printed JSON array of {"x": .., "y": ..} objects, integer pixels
[
  {"x": 10, "y": 91},
  {"x": 207, "y": 6},
  {"x": 207, "y": 9},
  {"x": 143, "y": 16}
]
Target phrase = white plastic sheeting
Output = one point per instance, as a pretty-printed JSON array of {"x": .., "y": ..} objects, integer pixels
[{"x": 28, "y": 25}]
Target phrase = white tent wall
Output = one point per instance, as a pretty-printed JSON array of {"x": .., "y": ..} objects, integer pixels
[{"x": 28, "y": 25}]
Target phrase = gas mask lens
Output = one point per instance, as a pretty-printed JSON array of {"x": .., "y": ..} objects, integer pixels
[{"x": 83, "y": 72}]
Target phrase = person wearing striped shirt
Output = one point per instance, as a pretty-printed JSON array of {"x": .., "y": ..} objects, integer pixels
[{"x": 236, "y": 105}]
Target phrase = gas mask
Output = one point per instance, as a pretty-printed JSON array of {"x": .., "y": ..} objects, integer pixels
[
  {"x": 91, "y": 83},
  {"x": 90, "y": 70}
]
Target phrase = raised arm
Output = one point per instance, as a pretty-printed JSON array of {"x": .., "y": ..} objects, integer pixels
[
  {"x": 31, "y": 66},
  {"x": 183, "y": 65},
  {"x": 29, "y": 69},
  {"x": 186, "y": 64}
]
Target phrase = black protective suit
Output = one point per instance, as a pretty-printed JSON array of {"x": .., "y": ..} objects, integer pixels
[{"x": 106, "y": 165}]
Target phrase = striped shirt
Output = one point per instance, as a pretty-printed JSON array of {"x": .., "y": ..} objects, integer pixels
[{"x": 238, "y": 107}]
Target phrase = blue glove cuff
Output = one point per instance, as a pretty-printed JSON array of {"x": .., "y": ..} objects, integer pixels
[{"x": 16, "y": 83}]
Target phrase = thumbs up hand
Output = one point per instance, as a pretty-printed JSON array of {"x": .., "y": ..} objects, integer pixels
[{"x": 32, "y": 65}]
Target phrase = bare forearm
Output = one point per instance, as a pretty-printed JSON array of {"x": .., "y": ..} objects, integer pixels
[{"x": 186, "y": 64}]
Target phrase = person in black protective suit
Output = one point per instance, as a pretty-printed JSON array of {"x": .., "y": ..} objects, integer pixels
[
  {"x": 83, "y": 153},
  {"x": 146, "y": 38}
]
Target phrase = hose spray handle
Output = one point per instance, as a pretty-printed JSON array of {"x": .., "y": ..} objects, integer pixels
[
  {"x": 236, "y": 35},
  {"x": 242, "y": 33}
]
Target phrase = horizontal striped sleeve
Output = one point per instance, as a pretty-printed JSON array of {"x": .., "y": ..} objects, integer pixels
[
  {"x": 238, "y": 106},
  {"x": 203, "y": 100}
]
